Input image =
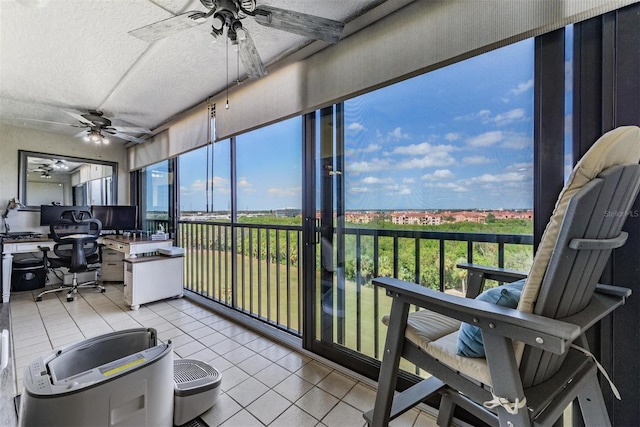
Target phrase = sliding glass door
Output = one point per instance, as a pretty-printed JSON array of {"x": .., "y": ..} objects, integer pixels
[{"x": 410, "y": 180}]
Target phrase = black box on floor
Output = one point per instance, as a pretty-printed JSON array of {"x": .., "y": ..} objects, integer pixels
[{"x": 27, "y": 274}]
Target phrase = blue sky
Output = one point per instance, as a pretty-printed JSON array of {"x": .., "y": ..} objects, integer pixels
[
  {"x": 454, "y": 138},
  {"x": 457, "y": 137}
]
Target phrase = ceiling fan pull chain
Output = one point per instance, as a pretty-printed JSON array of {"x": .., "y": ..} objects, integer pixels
[
  {"x": 227, "y": 54},
  {"x": 238, "y": 65}
]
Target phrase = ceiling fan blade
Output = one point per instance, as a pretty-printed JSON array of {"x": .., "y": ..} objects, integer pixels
[
  {"x": 127, "y": 137},
  {"x": 311, "y": 26},
  {"x": 47, "y": 121},
  {"x": 249, "y": 55},
  {"x": 129, "y": 129},
  {"x": 167, "y": 27},
  {"x": 79, "y": 118}
]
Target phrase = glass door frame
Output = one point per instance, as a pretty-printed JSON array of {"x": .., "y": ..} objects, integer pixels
[{"x": 323, "y": 236}]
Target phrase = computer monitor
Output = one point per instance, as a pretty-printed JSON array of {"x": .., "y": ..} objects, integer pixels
[
  {"x": 50, "y": 213},
  {"x": 116, "y": 217}
]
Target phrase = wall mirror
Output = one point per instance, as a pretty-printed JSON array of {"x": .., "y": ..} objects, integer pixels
[{"x": 46, "y": 179}]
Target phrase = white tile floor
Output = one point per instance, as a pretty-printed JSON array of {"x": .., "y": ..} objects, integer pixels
[{"x": 263, "y": 383}]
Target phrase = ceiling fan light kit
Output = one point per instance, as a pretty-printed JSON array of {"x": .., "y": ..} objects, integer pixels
[
  {"x": 96, "y": 136},
  {"x": 60, "y": 165},
  {"x": 226, "y": 16}
]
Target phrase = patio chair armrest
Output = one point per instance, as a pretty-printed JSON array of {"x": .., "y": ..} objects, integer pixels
[
  {"x": 618, "y": 291},
  {"x": 600, "y": 244},
  {"x": 543, "y": 332},
  {"x": 494, "y": 273},
  {"x": 601, "y": 304},
  {"x": 477, "y": 274}
]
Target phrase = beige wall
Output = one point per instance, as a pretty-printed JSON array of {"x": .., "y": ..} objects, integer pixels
[{"x": 13, "y": 138}]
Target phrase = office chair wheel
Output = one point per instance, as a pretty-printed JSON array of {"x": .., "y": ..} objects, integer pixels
[
  {"x": 103, "y": 290},
  {"x": 38, "y": 299},
  {"x": 69, "y": 299}
]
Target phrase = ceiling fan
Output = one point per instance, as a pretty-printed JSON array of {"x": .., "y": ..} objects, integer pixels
[
  {"x": 98, "y": 127},
  {"x": 226, "y": 16},
  {"x": 42, "y": 167}
]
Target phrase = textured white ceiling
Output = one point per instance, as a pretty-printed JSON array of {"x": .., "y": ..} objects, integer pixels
[{"x": 77, "y": 55}]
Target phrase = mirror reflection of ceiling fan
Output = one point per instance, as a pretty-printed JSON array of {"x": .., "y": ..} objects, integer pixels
[
  {"x": 99, "y": 128},
  {"x": 225, "y": 18},
  {"x": 43, "y": 169}
]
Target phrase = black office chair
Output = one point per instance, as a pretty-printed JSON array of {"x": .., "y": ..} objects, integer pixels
[{"x": 76, "y": 236}]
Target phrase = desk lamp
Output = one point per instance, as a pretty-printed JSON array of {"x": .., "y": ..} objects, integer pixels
[{"x": 13, "y": 204}]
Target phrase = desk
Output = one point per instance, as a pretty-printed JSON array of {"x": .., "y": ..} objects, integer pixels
[
  {"x": 129, "y": 246},
  {"x": 133, "y": 246}
]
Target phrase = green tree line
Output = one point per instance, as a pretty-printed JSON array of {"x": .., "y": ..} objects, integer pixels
[{"x": 419, "y": 263}]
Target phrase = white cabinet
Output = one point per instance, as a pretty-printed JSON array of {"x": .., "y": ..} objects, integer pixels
[{"x": 152, "y": 278}]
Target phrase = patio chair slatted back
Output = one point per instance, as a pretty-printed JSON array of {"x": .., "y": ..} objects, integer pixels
[{"x": 572, "y": 275}]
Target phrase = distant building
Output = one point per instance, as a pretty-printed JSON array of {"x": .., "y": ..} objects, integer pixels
[
  {"x": 528, "y": 214},
  {"x": 431, "y": 218},
  {"x": 415, "y": 218},
  {"x": 287, "y": 212},
  {"x": 468, "y": 216},
  {"x": 360, "y": 217}
]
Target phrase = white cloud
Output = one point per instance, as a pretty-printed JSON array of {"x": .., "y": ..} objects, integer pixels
[
  {"x": 371, "y": 180},
  {"x": 501, "y": 178},
  {"x": 476, "y": 160},
  {"x": 485, "y": 117},
  {"x": 423, "y": 148},
  {"x": 516, "y": 114},
  {"x": 368, "y": 149},
  {"x": 217, "y": 183},
  {"x": 396, "y": 189},
  {"x": 516, "y": 141},
  {"x": 368, "y": 166},
  {"x": 356, "y": 127},
  {"x": 447, "y": 186},
  {"x": 434, "y": 160},
  {"x": 408, "y": 181},
  {"x": 397, "y": 135},
  {"x": 452, "y": 136},
  {"x": 520, "y": 167},
  {"x": 486, "y": 139},
  {"x": 245, "y": 186},
  {"x": 439, "y": 174},
  {"x": 522, "y": 87},
  {"x": 359, "y": 190},
  {"x": 482, "y": 114}
]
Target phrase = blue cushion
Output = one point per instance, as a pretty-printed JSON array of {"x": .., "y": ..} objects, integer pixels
[{"x": 470, "y": 337}]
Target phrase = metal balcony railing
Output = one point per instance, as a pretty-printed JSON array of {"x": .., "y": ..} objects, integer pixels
[{"x": 255, "y": 269}]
